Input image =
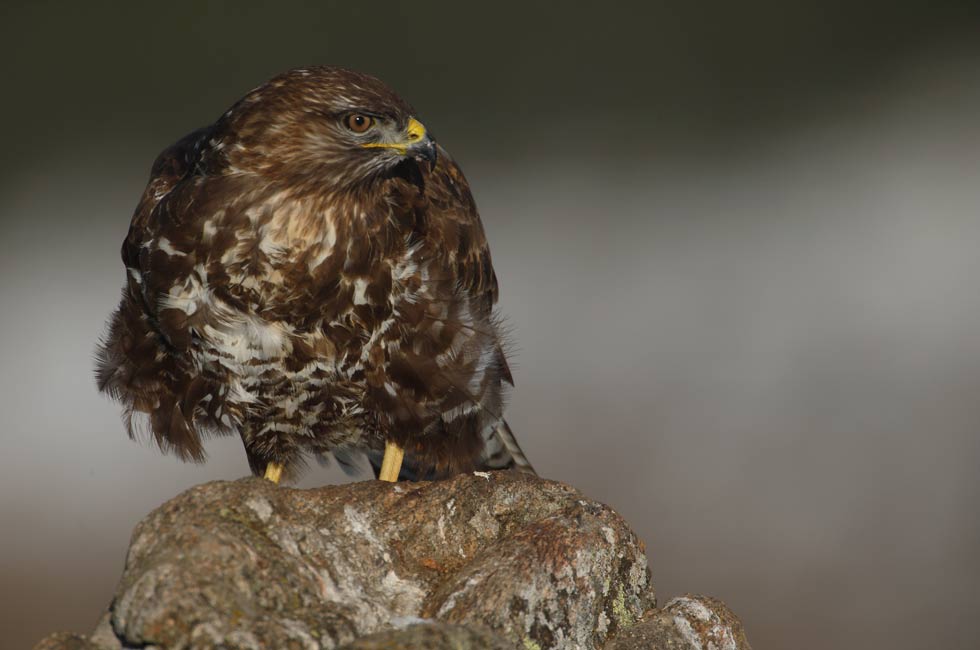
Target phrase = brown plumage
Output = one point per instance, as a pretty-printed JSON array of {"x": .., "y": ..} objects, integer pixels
[{"x": 313, "y": 287}]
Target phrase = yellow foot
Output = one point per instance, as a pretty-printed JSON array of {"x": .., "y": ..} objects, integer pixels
[
  {"x": 392, "y": 462},
  {"x": 273, "y": 472}
]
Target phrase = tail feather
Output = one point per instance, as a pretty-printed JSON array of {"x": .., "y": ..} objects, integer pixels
[
  {"x": 502, "y": 451},
  {"x": 353, "y": 462}
]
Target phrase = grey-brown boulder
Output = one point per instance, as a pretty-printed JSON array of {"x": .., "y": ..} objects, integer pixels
[
  {"x": 484, "y": 560},
  {"x": 685, "y": 623},
  {"x": 66, "y": 641}
]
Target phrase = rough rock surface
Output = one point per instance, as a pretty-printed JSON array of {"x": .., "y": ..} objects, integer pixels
[
  {"x": 501, "y": 560},
  {"x": 685, "y": 623}
]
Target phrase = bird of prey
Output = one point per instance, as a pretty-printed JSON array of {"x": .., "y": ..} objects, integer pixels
[{"x": 310, "y": 272}]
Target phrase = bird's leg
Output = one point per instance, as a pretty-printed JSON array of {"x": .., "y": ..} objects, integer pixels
[
  {"x": 273, "y": 472},
  {"x": 391, "y": 464}
]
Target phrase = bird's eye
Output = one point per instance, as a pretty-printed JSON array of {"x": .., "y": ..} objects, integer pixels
[{"x": 359, "y": 123}]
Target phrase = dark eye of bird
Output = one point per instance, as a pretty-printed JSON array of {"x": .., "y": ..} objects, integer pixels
[{"x": 359, "y": 123}]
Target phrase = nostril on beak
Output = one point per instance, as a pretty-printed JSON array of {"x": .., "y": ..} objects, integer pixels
[{"x": 415, "y": 131}]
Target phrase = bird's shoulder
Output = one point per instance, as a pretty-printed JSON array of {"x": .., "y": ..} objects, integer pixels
[{"x": 174, "y": 168}]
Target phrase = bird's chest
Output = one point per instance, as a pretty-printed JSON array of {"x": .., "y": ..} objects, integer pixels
[
  {"x": 340, "y": 268},
  {"x": 318, "y": 297}
]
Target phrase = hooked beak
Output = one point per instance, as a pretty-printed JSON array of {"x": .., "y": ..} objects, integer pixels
[
  {"x": 420, "y": 145},
  {"x": 417, "y": 144}
]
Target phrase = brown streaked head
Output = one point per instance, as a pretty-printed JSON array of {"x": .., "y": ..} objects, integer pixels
[{"x": 327, "y": 125}]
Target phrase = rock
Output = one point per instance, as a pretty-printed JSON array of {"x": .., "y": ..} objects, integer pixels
[
  {"x": 484, "y": 560},
  {"x": 685, "y": 623},
  {"x": 65, "y": 641},
  {"x": 432, "y": 636}
]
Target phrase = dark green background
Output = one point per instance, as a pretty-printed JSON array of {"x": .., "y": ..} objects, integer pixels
[{"x": 514, "y": 78}]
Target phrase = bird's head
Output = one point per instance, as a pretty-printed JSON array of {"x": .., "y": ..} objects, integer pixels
[{"x": 325, "y": 125}]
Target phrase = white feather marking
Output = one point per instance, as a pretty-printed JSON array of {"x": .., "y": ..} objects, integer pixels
[
  {"x": 164, "y": 245},
  {"x": 238, "y": 393},
  {"x": 360, "y": 291},
  {"x": 271, "y": 248},
  {"x": 326, "y": 244},
  {"x": 488, "y": 354},
  {"x": 459, "y": 411},
  {"x": 186, "y": 297}
]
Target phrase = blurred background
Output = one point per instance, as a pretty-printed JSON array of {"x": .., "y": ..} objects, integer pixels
[{"x": 738, "y": 245}]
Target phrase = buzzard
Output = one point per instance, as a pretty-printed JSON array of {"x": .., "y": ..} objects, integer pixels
[{"x": 310, "y": 272}]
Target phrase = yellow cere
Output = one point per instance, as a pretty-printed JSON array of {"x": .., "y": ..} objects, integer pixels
[{"x": 415, "y": 130}]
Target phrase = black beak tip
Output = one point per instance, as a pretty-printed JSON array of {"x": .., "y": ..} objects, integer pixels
[{"x": 427, "y": 152}]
